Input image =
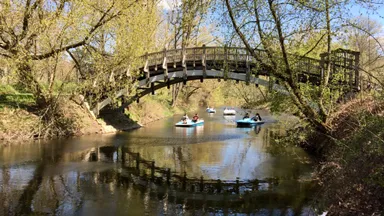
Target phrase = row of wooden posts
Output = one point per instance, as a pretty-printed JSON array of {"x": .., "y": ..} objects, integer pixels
[{"x": 217, "y": 185}]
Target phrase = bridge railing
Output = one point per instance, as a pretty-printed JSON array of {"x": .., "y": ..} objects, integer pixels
[
  {"x": 229, "y": 54},
  {"x": 342, "y": 61}
]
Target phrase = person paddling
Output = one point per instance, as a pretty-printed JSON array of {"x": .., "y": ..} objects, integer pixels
[
  {"x": 195, "y": 118},
  {"x": 246, "y": 116}
]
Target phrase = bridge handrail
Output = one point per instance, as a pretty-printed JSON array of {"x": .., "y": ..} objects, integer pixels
[{"x": 173, "y": 55}]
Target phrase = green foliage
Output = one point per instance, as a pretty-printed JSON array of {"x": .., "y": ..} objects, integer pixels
[
  {"x": 281, "y": 103},
  {"x": 7, "y": 89}
]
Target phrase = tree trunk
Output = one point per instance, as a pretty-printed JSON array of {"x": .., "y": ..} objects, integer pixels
[{"x": 24, "y": 71}]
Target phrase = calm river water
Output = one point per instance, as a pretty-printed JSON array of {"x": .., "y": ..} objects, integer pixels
[{"x": 90, "y": 175}]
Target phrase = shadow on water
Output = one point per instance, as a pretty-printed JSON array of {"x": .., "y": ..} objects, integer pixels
[{"x": 157, "y": 174}]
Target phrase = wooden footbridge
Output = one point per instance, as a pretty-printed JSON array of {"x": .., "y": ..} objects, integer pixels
[{"x": 168, "y": 67}]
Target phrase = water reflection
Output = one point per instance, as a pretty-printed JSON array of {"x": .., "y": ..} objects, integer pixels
[
  {"x": 97, "y": 176},
  {"x": 189, "y": 131}
]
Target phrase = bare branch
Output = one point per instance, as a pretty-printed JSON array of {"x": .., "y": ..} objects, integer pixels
[{"x": 102, "y": 21}]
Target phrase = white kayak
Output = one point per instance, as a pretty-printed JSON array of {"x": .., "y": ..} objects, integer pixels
[{"x": 229, "y": 112}]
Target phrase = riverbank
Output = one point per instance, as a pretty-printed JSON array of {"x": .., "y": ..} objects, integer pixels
[
  {"x": 351, "y": 174},
  {"x": 20, "y": 121},
  {"x": 350, "y": 161}
]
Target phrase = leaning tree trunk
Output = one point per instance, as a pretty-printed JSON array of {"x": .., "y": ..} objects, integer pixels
[{"x": 175, "y": 93}]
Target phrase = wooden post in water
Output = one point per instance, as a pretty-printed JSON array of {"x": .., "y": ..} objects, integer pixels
[
  {"x": 255, "y": 185},
  {"x": 237, "y": 188},
  {"x": 201, "y": 184},
  {"x": 218, "y": 186},
  {"x": 153, "y": 170},
  {"x": 138, "y": 161},
  {"x": 184, "y": 181},
  {"x": 168, "y": 176}
]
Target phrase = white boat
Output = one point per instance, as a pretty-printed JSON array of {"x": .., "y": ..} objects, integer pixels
[
  {"x": 211, "y": 110},
  {"x": 229, "y": 111},
  {"x": 189, "y": 123}
]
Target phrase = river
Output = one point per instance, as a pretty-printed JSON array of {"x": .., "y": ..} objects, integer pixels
[{"x": 98, "y": 175}]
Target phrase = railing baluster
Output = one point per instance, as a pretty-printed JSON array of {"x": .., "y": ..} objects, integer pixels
[
  {"x": 203, "y": 61},
  {"x": 165, "y": 65},
  {"x": 184, "y": 64},
  {"x": 146, "y": 69},
  {"x": 247, "y": 70}
]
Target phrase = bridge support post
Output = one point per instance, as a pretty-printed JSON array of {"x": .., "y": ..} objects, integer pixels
[
  {"x": 153, "y": 88},
  {"x": 96, "y": 110},
  {"x": 322, "y": 66},
  {"x": 357, "y": 70}
]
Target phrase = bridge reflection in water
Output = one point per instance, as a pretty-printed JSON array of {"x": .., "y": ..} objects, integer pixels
[{"x": 103, "y": 176}]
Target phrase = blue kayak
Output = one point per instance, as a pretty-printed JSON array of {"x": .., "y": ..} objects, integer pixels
[
  {"x": 189, "y": 123},
  {"x": 247, "y": 122}
]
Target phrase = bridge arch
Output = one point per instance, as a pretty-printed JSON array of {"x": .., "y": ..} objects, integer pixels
[
  {"x": 162, "y": 69},
  {"x": 157, "y": 82}
]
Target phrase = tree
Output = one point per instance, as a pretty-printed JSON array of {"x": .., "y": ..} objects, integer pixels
[
  {"x": 279, "y": 27},
  {"x": 364, "y": 36},
  {"x": 183, "y": 22},
  {"x": 108, "y": 34}
]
